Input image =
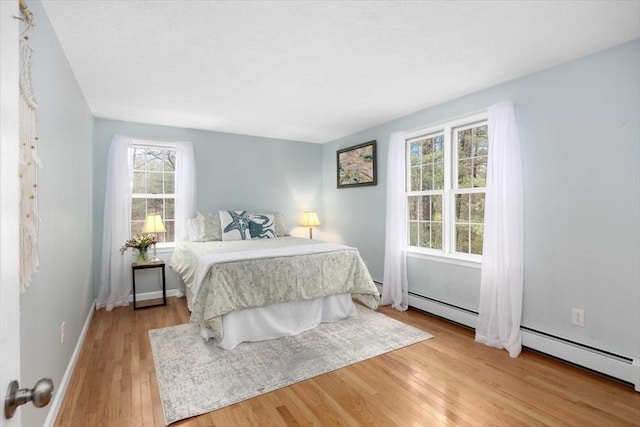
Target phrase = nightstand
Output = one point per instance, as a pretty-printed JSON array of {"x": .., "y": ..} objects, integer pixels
[{"x": 134, "y": 268}]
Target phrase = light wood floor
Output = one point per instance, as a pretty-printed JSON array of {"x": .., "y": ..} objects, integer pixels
[{"x": 448, "y": 380}]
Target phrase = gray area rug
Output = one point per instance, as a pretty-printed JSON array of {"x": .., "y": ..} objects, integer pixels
[{"x": 196, "y": 377}]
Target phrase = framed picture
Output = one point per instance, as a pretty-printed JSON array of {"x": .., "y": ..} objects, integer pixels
[{"x": 357, "y": 165}]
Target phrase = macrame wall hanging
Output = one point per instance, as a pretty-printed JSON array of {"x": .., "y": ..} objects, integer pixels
[{"x": 29, "y": 160}]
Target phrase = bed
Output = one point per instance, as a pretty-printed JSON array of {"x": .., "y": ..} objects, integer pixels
[{"x": 257, "y": 289}]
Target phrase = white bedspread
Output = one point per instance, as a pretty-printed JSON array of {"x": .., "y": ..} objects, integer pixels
[
  {"x": 205, "y": 262},
  {"x": 230, "y": 276}
]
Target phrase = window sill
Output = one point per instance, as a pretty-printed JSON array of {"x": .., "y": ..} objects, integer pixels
[
  {"x": 164, "y": 248},
  {"x": 463, "y": 262}
]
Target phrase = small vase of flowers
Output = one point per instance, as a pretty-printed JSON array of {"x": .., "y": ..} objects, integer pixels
[{"x": 141, "y": 242}]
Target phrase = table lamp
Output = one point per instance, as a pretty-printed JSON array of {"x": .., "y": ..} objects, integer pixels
[
  {"x": 154, "y": 225},
  {"x": 310, "y": 219}
]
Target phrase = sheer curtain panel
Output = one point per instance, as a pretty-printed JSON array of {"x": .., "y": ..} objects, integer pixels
[
  {"x": 395, "y": 286},
  {"x": 501, "y": 280},
  {"x": 115, "y": 280},
  {"x": 185, "y": 188}
]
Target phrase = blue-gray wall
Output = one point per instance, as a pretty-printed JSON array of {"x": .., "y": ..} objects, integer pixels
[
  {"x": 580, "y": 131},
  {"x": 62, "y": 289},
  {"x": 232, "y": 172},
  {"x": 580, "y": 135}
]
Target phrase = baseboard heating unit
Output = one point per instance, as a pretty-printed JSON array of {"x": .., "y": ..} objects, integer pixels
[{"x": 617, "y": 366}]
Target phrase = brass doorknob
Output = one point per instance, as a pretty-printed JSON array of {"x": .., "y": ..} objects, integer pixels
[{"x": 40, "y": 395}]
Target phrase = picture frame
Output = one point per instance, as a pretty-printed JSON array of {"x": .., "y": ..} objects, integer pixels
[{"x": 356, "y": 165}]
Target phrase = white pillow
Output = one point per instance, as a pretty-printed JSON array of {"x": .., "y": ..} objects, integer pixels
[
  {"x": 281, "y": 227},
  {"x": 234, "y": 225},
  {"x": 192, "y": 228},
  {"x": 262, "y": 226}
]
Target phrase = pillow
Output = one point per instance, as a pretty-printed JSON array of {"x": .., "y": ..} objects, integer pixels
[
  {"x": 262, "y": 226},
  {"x": 281, "y": 227},
  {"x": 234, "y": 225},
  {"x": 192, "y": 229},
  {"x": 208, "y": 227}
]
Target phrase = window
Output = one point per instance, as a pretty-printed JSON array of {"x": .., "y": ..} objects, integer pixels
[
  {"x": 446, "y": 186},
  {"x": 154, "y": 171}
]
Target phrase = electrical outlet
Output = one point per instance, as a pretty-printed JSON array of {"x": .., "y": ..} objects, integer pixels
[
  {"x": 62, "y": 325},
  {"x": 577, "y": 316}
]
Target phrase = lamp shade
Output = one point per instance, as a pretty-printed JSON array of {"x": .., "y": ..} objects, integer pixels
[
  {"x": 310, "y": 218},
  {"x": 154, "y": 224}
]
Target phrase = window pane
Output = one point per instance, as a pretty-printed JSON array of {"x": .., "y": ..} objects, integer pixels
[
  {"x": 465, "y": 138},
  {"x": 477, "y": 208},
  {"x": 476, "y": 239},
  {"x": 170, "y": 161},
  {"x": 138, "y": 182},
  {"x": 155, "y": 206},
  {"x": 413, "y": 207},
  {"x": 154, "y": 183},
  {"x": 169, "y": 183},
  {"x": 169, "y": 210},
  {"x": 427, "y": 177},
  {"x": 415, "y": 153},
  {"x": 425, "y": 234},
  {"x": 480, "y": 171},
  {"x": 462, "y": 208},
  {"x": 415, "y": 178},
  {"x": 169, "y": 236},
  {"x": 436, "y": 208},
  {"x": 436, "y": 235},
  {"x": 481, "y": 141},
  {"x": 138, "y": 209},
  {"x": 154, "y": 160},
  {"x": 438, "y": 148},
  {"x": 413, "y": 234},
  {"x": 462, "y": 238},
  {"x": 438, "y": 176},
  {"x": 138, "y": 159},
  {"x": 464, "y": 174},
  {"x": 481, "y": 147},
  {"x": 425, "y": 208},
  {"x": 427, "y": 151},
  {"x": 136, "y": 227}
]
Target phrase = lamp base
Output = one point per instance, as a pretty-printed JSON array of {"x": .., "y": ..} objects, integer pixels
[
  {"x": 310, "y": 233},
  {"x": 155, "y": 254}
]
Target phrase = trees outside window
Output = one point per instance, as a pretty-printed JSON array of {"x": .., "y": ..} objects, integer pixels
[
  {"x": 446, "y": 186},
  {"x": 154, "y": 170}
]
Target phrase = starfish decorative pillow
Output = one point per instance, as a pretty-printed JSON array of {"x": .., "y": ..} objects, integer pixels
[
  {"x": 235, "y": 225},
  {"x": 262, "y": 226}
]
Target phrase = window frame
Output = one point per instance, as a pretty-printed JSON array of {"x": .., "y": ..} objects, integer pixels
[
  {"x": 162, "y": 145},
  {"x": 450, "y": 189}
]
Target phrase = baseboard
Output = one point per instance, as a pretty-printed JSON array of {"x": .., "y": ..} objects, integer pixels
[
  {"x": 449, "y": 312},
  {"x": 623, "y": 368},
  {"x": 64, "y": 382},
  {"x": 156, "y": 294}
]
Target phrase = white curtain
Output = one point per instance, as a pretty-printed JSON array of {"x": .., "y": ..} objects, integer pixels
[
  {"x": 395, "y": 285},
  {"x": 185, "y": 206},
  {"x": 501, "y": 283},
  {"x": 115, "y": 275}
]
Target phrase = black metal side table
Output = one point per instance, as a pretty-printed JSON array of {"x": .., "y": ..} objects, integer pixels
[{"x": 145, "y": 266}]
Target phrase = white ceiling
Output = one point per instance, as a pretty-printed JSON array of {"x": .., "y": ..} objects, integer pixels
[{"x": 315, "y": 71}]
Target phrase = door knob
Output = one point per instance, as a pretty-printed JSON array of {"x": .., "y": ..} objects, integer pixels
[{"x": 40, "y": 395}]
